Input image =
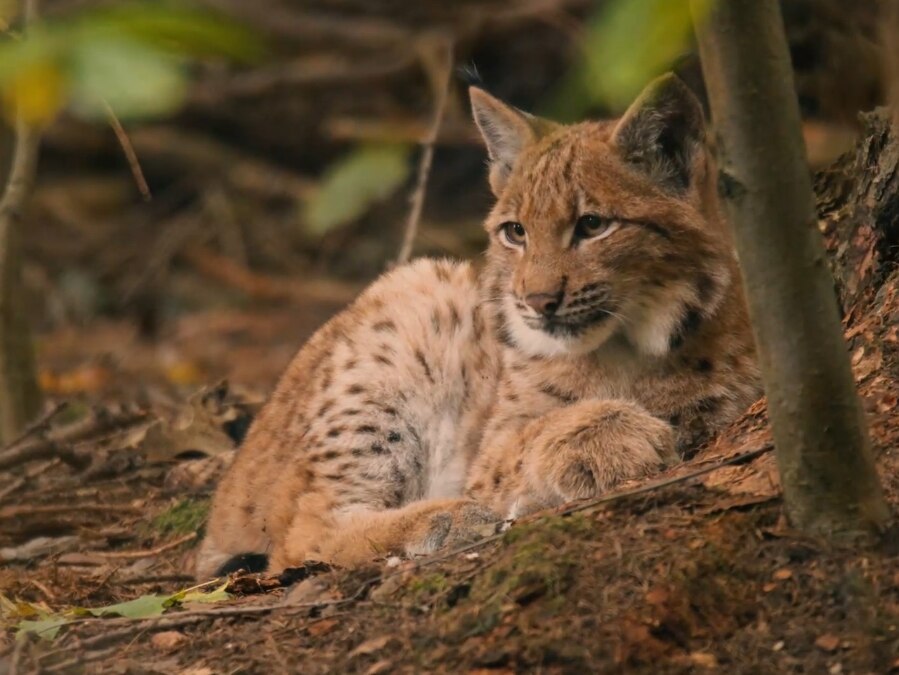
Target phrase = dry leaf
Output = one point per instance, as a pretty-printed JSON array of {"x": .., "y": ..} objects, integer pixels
[
  {"x": 197, "y": 670},
  {"x": 310, "y": 590},
  {"x": 384, "y": 666},
  {"x": 183, "y": 373},
  {"x": 373, "y": 645},
  {"x": 828, "y": 642},
  {"x": 704, "y": 659},
  {"x": 322, "y": 627},
  {"x": 168, "y": 640},
  {"x": 657, "y": 596}
]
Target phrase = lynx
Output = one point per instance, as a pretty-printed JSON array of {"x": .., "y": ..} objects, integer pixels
[{"x": 605, "y": 337}]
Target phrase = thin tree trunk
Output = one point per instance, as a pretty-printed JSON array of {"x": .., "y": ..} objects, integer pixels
[
  {"x": 823, "y": 452},
  {"x": 20, "y": 397}
]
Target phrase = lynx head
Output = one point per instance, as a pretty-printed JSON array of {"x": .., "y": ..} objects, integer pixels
[{"x": 603, "y": 229}]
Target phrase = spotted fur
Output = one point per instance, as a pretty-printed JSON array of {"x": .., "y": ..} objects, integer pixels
[{"x": 444, "y": 399}]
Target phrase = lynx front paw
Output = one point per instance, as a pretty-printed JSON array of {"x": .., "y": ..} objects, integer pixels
[
  {"x": 583, "y": 450},
  {"x": 463, "y": 523}
]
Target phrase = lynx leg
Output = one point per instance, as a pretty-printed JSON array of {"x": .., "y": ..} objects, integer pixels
[
  {"x": 420, "y": 528},
  {"x": 584, "y": 449},
  {"x": 574, "y": 452}
]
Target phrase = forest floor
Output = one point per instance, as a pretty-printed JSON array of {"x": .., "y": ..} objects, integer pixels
[
  {"x": 693, "y": 570},
  {"x": 700, "y": 574}
]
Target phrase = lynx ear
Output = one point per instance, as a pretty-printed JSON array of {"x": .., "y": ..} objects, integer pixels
[
  {"x": 662, "y": 132},
  {"x": 506, "y": 131}
]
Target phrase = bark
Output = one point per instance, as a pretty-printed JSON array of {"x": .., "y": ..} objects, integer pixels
[
  {"x": 20, "y": 398},
  {"x": 823, "y": 451}
]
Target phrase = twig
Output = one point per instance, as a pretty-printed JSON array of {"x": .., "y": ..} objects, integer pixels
[
  {"x": 79, "y": 660},
  {"x": 39, "y": 425},
  {"x": 130, "y": 154},
  {"x": 441, "y": 76},
  {"x": 146, "y": 553},
  {"x": 19, "y": 510},
  {"x": 155, "y": 579},
  {"x": 12, "y": 487},
  {"x": 50, "y": 595},
  {"x": 298, "y": 72},
  {"x": 586, "y": 505},
  {"x": 55, "y": 443},
  {"x": 651, "y": 487},
  {"x": 262, "y": 287},
  {"x": 206, "y": 156},
  {"x": 16, "y": 657}
]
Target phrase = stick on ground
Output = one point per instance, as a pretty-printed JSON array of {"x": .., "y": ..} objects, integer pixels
[{"x": 440, "y": 74}]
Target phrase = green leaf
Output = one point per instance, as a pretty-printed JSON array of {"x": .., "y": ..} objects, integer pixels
[
  {"x": 133, "y": 79},
  {"x": 628, "y": 43},
  {"x": 634, "y": 41},
  {"x": 196, "y": 595},
  {"x": 47, "y": 624},
  {"x": 352, "y": 184},
  {"x": 46, "y": 628},
  {"x": 139, "y": 608},
  {"x": 131, "y": 55},
  {"x": 175, "y": 28}
]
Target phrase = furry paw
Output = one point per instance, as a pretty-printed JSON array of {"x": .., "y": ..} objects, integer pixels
[
  {"x": 464, "y": 523},
  {"x": 585, "y": 449}
]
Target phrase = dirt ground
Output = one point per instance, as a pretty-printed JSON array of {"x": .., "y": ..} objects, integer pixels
[{"x": 695, "y": 570}]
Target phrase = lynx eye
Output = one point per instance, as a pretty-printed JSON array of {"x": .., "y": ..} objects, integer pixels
[
  {"x": 514, "y": 233},
  {"x": 591, "y": 226}
]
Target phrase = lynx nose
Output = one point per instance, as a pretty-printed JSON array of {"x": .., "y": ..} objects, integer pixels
[{"x": 545, "y": 304}]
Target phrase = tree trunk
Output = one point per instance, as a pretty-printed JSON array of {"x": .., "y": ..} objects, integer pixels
[
  {"x": 823, "y": 452},
  {"x": 20, "y": 397}
]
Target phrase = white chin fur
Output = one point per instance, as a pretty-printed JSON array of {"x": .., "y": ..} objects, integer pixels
[
  {"x": 539, "y": 343},
  {"x": 654, "y": 320}
]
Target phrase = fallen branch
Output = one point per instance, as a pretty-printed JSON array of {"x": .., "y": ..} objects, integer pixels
[
  {"x": 439, "y": 65},
  {"x": 262, "y": 287},
  {"x": 19, "y": 510},
  {"x": 590, "y": 504},
  {"x": 58, "y": 443},
  {"x": 39, "y": 426},
  {"x": 12, "y": 487},
  {"x": 299, "y": 72},
  {"x": 145, "y": 553},
  {"x": 206, "y": 156}
]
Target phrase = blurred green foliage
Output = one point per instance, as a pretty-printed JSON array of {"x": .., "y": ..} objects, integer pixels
[
  {"x": 626, "y": 44},
  {"x": 131, "y": 57},
  {"x": 352, "y": 184}
]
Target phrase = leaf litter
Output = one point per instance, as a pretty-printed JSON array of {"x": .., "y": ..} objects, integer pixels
[{"x": 48, "y": 623}]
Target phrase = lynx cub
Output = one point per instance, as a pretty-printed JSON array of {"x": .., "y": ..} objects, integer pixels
[{"x": 605, "y": 337}]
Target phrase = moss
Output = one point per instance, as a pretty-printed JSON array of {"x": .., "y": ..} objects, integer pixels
[
  {"x": 426, "y": 588},
  {"x": 555, "y": 529},
  {"x": 478, "y": 620},
  {"x": 537, "y": 563},
  {"x": 75, "y": 411},
  {"x": 185, "y": 516}
]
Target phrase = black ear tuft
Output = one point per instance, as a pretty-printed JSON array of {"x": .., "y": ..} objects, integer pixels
[
  {"x": 469, "y": 75},
  {"x": 662, "y": 132}
]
